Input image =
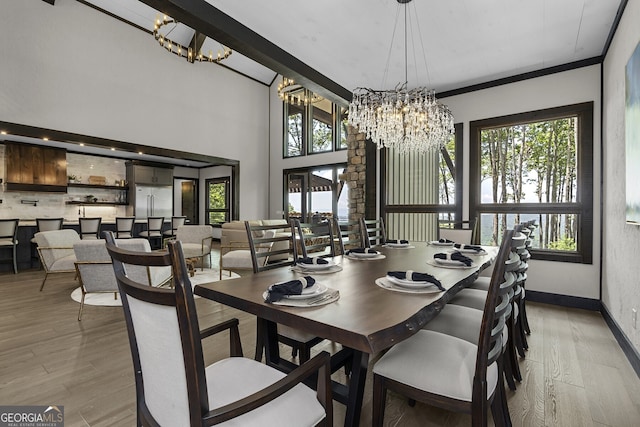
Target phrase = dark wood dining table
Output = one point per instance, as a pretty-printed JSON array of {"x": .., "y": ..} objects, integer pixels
[{"x": 366, "y": 319}]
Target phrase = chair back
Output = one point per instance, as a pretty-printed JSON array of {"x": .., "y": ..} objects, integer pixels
[
  {"x": 164, "y": 337},
  {"x": 8, "y": 231},
  {"x": 459, "y": 231},
  {"x": 154, "y": 225},
  {"x": 48, "y": 224},
  {"x": 124, "y": 227},
  {"x": 374, "y": 231},
  {"x": 497, "y": 308},
  {"x": 262, "y": 245},
  {"x": 90, "y": 228},
  {"x": 176, "y": 221},
  {"x": 314, "y": 239},
  {"x": 350, "y": 235},
  {"x": 58, "y": 245}
]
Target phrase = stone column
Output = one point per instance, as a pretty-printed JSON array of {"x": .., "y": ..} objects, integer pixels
[{"x": 356, "y": 177}]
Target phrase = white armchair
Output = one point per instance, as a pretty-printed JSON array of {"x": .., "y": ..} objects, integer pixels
[
  {"x": 55, "y": 249},
  {"x": 95, "y": 270},
  {"x": 196, "y": 242}
]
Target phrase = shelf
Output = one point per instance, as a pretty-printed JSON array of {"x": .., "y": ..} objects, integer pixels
[
  {"x": 105, "y": 187},
  {"x": 78, "y": 202}
]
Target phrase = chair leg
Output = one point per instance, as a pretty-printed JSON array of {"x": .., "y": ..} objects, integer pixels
[
  {"x": 81, "y": 305},
  {"x": 46, "y": 275},
  {"x": 379, "y": 401},
  {"x": 523, "y": 318},
  {"x": 305, "y": 353},
  {"x": 15, "y": 264}
]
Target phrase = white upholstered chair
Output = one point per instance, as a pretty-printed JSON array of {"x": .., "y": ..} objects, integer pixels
[
  {"x": 55, "y": 249},
  {"x": 95, "y": 272},
  {"x": 174, "y": 387},
  {"x": 196, "y": 242}
]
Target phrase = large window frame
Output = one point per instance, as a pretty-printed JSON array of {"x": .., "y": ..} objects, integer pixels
[
  {"x": 583, "y": 207},
  {"x": 226, "y": 181},
  {"x": 338, "y": 112}
]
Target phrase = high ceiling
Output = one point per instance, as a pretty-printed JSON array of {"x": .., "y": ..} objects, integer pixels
[{"x": 451, "y": 44}]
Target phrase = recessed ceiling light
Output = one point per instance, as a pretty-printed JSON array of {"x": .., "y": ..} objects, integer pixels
[
  {"x": 3, "y": 132},
  {"x": 113, "y": 149},
  {"x": 81, "y": 144},
  {"x": 45, "y": 139},
  {"x": 140, "y": 152}
]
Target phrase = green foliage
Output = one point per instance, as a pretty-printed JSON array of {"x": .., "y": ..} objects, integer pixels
[{"x": 564, "y": 244}]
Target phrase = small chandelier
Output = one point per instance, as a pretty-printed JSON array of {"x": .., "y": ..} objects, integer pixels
[
  {"x": 402, "y": 119},
  {"x": 295, "y": 94},
  {"x": 191, "y": 53}
]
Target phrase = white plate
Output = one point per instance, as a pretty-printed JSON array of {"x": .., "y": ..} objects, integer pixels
[
  {"x": 334, "y": 268},
  {"x": 310, "y": 292},
  {"x": 397, "y": 245},
  {"x": 409, "y": 283},
  {"x": 363, "y": 255},
  {"x": 447, "y": 263},
  {"x": 367, "y": 258},
  {"x": 437, "y": 243},
  {"x": 315, "y": 266},
  {"x": 471, "y": 251},
  {"x": 383, "y": 282}
]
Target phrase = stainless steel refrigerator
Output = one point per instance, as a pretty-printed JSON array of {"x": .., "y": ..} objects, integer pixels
[{"x": 150, "y": 200}]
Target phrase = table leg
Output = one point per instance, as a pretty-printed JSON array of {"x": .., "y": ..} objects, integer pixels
[
  {"x": 260, "y": 337},
  {"x": 359, "y": 368}
]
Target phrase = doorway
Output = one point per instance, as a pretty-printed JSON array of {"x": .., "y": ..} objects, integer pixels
[{"x": 186, "y": 199}]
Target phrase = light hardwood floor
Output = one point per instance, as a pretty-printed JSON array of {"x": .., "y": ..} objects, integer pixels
[{"x": 574, "y": 374}]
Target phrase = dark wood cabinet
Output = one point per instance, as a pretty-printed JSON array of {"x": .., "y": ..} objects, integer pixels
[{"x": 35, "y": 168}]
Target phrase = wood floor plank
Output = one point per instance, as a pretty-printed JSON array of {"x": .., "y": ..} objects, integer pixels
[{"x": 48, "y": 357}]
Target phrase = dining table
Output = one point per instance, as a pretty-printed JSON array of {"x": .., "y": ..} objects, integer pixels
[{"x": 368, "y": 314}]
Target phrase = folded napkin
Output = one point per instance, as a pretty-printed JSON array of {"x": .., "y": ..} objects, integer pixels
[
  {"x": 402, "y": 242},
  {"x": 454, "y": 256},
  {"x": 462, "y": 246},
  {"x": 445, "y": 241},
  {"x": 277, "y": 291},
  {"x": 416, "y": 277},
  {"x": 312, "y": 261},
  {"x": 362, "y": 251}
]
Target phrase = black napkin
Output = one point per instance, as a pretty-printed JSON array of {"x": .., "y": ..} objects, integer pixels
[
  {"x": 362, "y": 251},
  {"x": 445, "y": 241},
  {"x": 468, "y": 247},
  {"x": 277, "y": 291},
  {"x": 455, "y": 256},
  {"x": 402, "y": 242},
  {"x": 313, "y": 261},
  {"x": 416, "y": 277}
]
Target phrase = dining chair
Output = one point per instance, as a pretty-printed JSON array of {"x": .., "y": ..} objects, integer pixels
[
  {"x": 314, "y": 239},
  {"x": 176, "y": 221},
  {"x": 173, "y": 384},
  {"x": 44, "y": 224},
  {"x": 449, "y": 372},
  {"x": 261, "y": 242},
  {"x": 374, "y": 231},
  {"x": 153, "y": 233},
  {"x": 90, "y": 228},
  {"x": 349, "y": 235},
  {"x": 9, "y": 239},
  {"x": 459, "y": 231},
  {"x": 196, "y": 241},
  {"x": 124, "y": 227}
]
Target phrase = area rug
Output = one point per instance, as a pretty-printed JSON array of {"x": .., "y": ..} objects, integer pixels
[{"x": 107, "y": 299}]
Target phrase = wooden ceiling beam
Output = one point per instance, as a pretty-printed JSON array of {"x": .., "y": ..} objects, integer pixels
[{"x": 207, "y": 19}]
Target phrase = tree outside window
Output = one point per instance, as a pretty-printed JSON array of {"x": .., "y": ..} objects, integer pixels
[{"x": 218, "y": 200}]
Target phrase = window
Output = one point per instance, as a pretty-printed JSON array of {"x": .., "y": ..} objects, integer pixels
[
  {"x": 536, "y": 165},
  {"x": 313, "y": 194},
  {"x": 218, "y": 201},
  {"x": 310, "y": 126}
]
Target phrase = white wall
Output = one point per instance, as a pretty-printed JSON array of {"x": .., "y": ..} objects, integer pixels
[
  {"x": 570, "y": 87},
  {"x": 71, "y": 68},
  {"x": 620, "y": 283}
]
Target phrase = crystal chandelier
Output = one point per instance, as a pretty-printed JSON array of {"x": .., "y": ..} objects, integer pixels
[
  {"x": 191, "y": 53},
  {"x": 407, "y": 120}
]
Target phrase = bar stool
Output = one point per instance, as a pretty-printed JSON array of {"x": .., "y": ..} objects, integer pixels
[
  {"x": 44, "y": 224},
  {"x": 9, "y": 238},
  {"x": 176, "y": 221},
  {"x": 154, "y": 230},
  {"x": 124, "y": 227},
  {"x": 90, "y": 228}
]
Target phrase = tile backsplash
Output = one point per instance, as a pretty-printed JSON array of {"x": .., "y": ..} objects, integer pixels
[{"x": 29, "y": 205}]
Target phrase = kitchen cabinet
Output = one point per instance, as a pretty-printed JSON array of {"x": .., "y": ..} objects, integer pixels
[
  {"x": 149, "y": 175},
  {"x": 35, "y": 168}
]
